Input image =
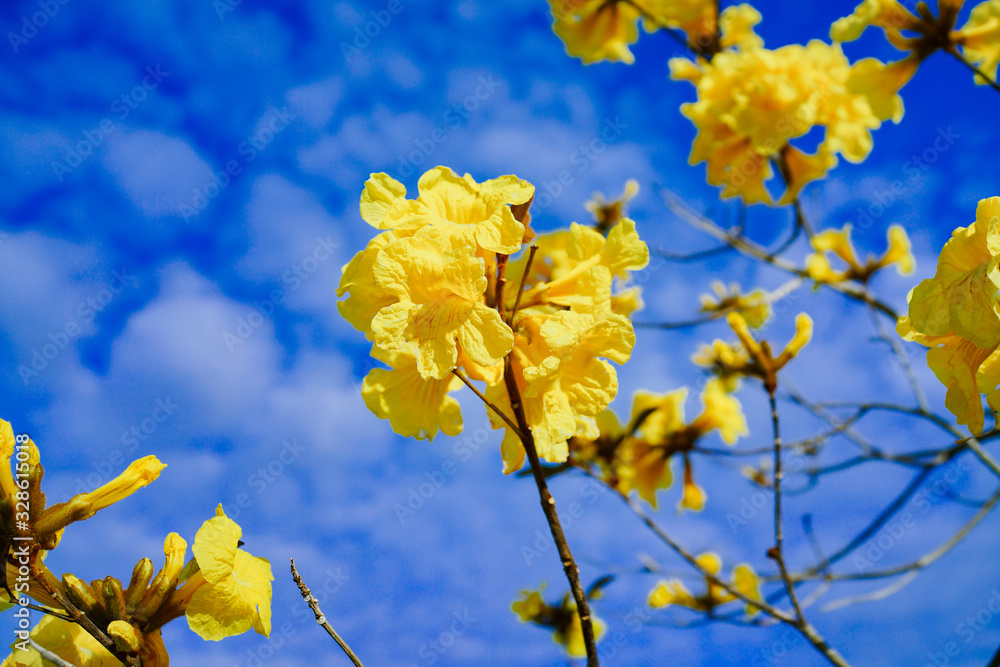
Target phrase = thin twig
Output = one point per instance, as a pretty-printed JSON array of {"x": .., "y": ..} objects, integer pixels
[
  {"x": 524, "y": 278},
  {"x": 487, "y": 402},
  {"x": 320, "y": 618},
  {"x": 777, "y": 553},
  {"x": 962, "y": 59},
  {"x": 549, "y": 508}
]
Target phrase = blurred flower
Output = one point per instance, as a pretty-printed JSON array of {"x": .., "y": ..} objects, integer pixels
[
  {"x": 838, "y": 242},
  {"x": 657, "y": 431},
  {"x": 755, "y": 306},
  {"x": 762, "y": 362},
  {"x": 673, "y": 592},
  {"x": 608, "y": 213},
  {"x": 753, "y": 101},
  {"x": 980, "y": 38},
  {"x": 562, "y": 619}
]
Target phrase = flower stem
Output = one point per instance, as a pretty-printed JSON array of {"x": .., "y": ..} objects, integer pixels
[{"x": 320, "y": 618}]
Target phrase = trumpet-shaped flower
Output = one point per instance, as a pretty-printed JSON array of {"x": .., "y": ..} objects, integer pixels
[
  {"x": 745, "y": 581},
  {"x": 236, "y": 593},
  {"x": 415, "y": 407},
  {"x": 596, "y": 30},
  {"x": 838, "y": 243},
  {"x": 439, "y": 283},
  {"x": 955, "y": 313},
  {"x": 366, "y": 297}
]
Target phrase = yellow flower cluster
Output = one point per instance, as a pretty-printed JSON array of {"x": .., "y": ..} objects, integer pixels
[
  {"x": 223, "y": 591},
  {"x": 430, "y": 291},
  {"x": 752, "y": 102},
  {"x": 638, "y": 456},
  {"x": 838, "y": 242},
  {"x": 755, "y": 306},
  {"x": 922, "y": 34},
  {"x": 955, "y": 314},
  {"x": 562, "y": 619},
  {"x": 745, "y": 581},
  {"x": 597, "y": 30}
]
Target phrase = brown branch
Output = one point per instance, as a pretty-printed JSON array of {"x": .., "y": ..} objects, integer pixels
[
  {"x": 549, "y": 508},
  {"x": 320, "y": 618},
  {"x": 962, "y": 59}
]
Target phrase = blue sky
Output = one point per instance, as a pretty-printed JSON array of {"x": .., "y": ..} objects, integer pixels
[{"x": 180, "y": 176}]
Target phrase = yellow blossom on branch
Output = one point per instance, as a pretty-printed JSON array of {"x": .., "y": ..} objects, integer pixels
[
  {"x": 562, "y": 619},
  {"x": 674, "y": 592},
  {"x": 755, "y": 306},
  {"x": 838, "y": 243},
  {"x": 980, "y": 38},
  {"x": 752, "y": 102},
  {"x": 955, "y": 314}
]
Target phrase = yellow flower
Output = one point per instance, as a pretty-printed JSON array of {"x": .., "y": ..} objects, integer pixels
[
  {"x": 236, "y": 595},
  {"x": 562, "y": 379},
  {"x": 575, "y": 268},
  {"x": 763, "y": 363},
  {"x": 660, "y": 432},
  {"x": 980, "y": 38},
  {"x": 673, "y": 592},
  {"x": 754, "y": 306},
  {"x": 596, "y": 30},
  {"x": 563, "y": 620},
  {"x": 439, "y": 283},
  {"x": 85, "y": 505},
  {"x": 415, "y": 407},
  {"x": 838, "y": 242},
  {"x": 727, "y": 361},
  {"x": 608, "y": 213},
  {"x": 889, "y": 15},
  {"x": 366, "y": 297},
  {"x": 478, "y": 214},
  {"x": 736, "y": 25},
  {"x": 955, "y": 314},
  {"x": 752, "y": 102},
  {"x": 68, "y": 641}
]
